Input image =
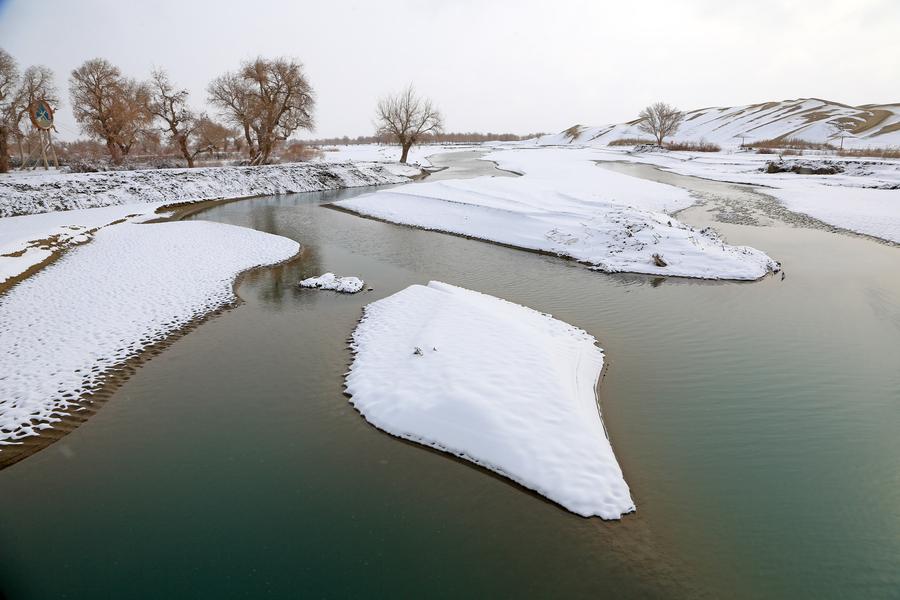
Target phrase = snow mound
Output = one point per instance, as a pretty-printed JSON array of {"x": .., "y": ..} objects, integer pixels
[
  {"x": 329, "y": 281},
  {"x": 496, "y": 383},
  {"x": 538, "y": 214},
  {"x": 63, "y": 329}
]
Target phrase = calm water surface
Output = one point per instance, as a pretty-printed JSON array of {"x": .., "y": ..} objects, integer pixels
[{"x": 758, "y": 425}]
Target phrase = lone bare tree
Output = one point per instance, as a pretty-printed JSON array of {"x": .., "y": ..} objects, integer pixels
[
  {"x": 9, "y": 80},
  {"x": 405, "y": 118},
  {"x": 109, "y": 106},
  {"x": 660, "y": 120},
  {"x": 169, "y": 104},
  {"x": 269, "y": 99}
]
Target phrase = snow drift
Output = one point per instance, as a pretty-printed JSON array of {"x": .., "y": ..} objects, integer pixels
[
  {"x": 494, "y": 382},
  {"x": 63, "y": 329}
]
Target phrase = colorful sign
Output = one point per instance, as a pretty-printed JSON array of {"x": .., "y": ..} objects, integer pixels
[{"x": 41, "y": 114}]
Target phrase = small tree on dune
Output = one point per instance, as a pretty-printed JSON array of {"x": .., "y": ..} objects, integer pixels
[
  {"x": 406, "y": 118},
  {"x": 660, "y": 120}
]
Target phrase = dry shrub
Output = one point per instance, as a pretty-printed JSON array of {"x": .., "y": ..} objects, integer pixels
[
  {"x": 792, "y": 143},
  {"x": 631, "y": 142},
  {"x": 298, "y": 152},
  {"x": 892, "y": 152},
  {"x": 701, "y": 146}
]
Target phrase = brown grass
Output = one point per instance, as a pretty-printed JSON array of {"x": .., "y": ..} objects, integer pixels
[
  {"x": 872, "y": 152},
  {"x": 889, "y": 128},
  {"x": 791, "y": 143},
  {"x": 873, "y": 119},
  {"x": 701, "y": 146},
  {"x": 572, "y": 132},
  {"x": 630, "y": 142}
]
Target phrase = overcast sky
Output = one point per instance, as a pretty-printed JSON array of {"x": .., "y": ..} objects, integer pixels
[{"x": 503, "y": 65}]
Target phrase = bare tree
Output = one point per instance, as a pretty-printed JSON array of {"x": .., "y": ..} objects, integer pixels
[
  {"x": 269, "y": 99},
  {"x": 109, "y": 106},
  {"x": 406, "y": 118},
  {"x": 213, "y": 137},
  {"x": 660, "y": 120},
  {"x": 9, "y": 80},
  {"x": 170, "y": 105}
]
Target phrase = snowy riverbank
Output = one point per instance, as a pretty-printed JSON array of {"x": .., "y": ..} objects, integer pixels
[
  {"x": 499, "y": 384},
  {"x": 29, "y": 193},
  {"x": 63, "y": 330}
]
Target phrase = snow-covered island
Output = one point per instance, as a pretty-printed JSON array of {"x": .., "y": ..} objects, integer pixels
[
  {"x": 330, "y": 281},
  {"x": 496, "y": 383},
  {"x": 564, "y": 204}
]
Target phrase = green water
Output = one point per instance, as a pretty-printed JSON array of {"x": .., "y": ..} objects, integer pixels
[{"x": 757, "y": 424}]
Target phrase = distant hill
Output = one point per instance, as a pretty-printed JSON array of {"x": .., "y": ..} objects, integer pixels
[{"x": 811, "y": 119}]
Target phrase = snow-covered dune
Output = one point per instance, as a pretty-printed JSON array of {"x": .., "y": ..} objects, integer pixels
[
  {"x": 62, "y": 329},
  {"x": 549, "y": 216},
  {"x": 494, "y": 382},
  {"x": 24, "y": 194},
  {"x": 809, "y": 119}
]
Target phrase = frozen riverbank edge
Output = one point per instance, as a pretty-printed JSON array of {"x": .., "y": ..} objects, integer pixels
[
  {"x": 495, "y": 383},
  {"x": 57, "y": 367}
]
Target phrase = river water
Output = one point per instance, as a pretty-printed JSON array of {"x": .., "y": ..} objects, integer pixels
[{"x": 758, "y": 425}]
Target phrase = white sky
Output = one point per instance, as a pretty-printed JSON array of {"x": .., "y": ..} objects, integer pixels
[{"x": 502, "y": 65}]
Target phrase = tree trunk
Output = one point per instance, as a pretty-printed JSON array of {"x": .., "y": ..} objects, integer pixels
[
  {"x": 115, "y": 153},
  {"x": 182, "y": 144},
  {"x": 4, "y": 150},
  {"x": 405, "y": 153}
]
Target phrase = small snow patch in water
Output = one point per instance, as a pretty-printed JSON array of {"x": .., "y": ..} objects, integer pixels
[{"x": 330, "y": 281}]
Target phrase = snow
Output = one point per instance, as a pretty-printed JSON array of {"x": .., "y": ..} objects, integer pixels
[
  {"x": 865, "y": 198},
  {"x": 65, "y": 328},
  {"x": 568, "y": 206},
  {"x": 28, "y": 240},
  {"x": 31, "y": 237},
  {"x": 496, "y": 383},
  {"x": 30, "y": 194},
  {"x": 388, "y": 153},
  {"x": 867, "y": 211},
  {"x": 329, "y": 281}
]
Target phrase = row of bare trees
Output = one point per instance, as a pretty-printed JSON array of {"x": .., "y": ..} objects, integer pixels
[
  {"x": 262, "y": 104},
  {"x": 265, "y": 101}
]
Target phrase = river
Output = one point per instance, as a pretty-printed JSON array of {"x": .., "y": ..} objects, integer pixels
[{"x": 758, "y": 425}]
